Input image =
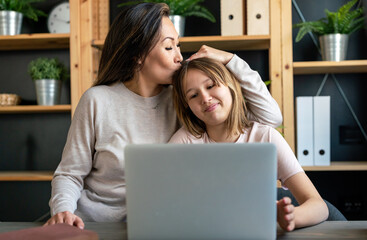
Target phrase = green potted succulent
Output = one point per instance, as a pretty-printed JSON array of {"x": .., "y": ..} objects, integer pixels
[
  {"x": 179, "y": 10},
  {"x": 334, "y": 30},
  {"x": 48, "y": 74},
  {"x": 12, "y": 12}
]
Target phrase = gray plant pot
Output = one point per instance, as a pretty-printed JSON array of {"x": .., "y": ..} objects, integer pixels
[
  {"x": 48, "y": 91},
  {"x": 10, "y": 22},
  {"x": 334, "y": 47},
  {"x": 179, "y": 23}
]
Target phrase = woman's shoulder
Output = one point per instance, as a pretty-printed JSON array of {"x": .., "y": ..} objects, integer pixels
[
  {"x": 102, "y": 95},
  {"x": 100, "y": 90}
]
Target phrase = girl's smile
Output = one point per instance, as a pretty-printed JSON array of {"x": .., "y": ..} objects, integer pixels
[{"x": 211, "y": 108}]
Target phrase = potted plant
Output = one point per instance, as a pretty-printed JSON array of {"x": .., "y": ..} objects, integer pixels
[
  {"x": 47, "y": 75},
  {"x": 179, "y": 10},
  {"x": 12, "y": 12},
  {"x": 334, "y": 30}
]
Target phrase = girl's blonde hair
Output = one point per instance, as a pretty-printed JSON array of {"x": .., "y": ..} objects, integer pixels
[{"x": 217, "y": 72}]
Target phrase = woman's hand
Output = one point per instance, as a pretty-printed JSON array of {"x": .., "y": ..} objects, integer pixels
[
  {"x": 66, "y": 217},
  {"x": 209, "y": 52},
  {"x": 285, "y": 214}
]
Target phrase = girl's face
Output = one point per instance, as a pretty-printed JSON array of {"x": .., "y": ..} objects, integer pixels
[
  {"x": 165, "y": 57},
  {"x": 209, "y": 102}
]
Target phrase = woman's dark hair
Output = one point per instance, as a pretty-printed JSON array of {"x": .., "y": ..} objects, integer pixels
[{"x": 133, "y": 34}]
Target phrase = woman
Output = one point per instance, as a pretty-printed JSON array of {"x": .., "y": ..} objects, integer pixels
[
  {"x": 210, "y": 105},
  {"x": 130, "y": 102}
]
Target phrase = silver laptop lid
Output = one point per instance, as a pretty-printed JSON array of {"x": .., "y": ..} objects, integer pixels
[{"x": 201, "y": 191}]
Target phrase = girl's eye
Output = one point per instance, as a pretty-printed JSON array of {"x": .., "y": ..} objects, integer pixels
[
  {"x": 169, "y": 48},
  {"x": 193, "y": 96},
  {"x": 211, "y": 86},
  {"x": 179, "y": 45}
]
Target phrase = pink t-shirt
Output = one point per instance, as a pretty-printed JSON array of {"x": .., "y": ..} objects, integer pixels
[{"x": 257, "y": 132}]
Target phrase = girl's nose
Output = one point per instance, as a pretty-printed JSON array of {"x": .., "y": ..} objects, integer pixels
[{"x": 205, "y": 97}]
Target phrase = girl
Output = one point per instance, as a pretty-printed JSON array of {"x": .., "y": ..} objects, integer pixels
[
  {"x": 130, "y": 102},
  {"x": 210, "y": 105}
]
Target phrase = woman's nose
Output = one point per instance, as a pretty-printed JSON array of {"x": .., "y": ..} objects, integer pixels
[{"x": 178, "y": 56}]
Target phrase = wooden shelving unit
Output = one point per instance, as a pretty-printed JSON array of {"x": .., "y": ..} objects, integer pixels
[
  {"x": 38, "y": 41},
  {"x": 34, "y": 109},
  {"x": 229, "y": 43},
  {"x": 339, "y": 166},
  {"x": 26, "y": 175},
  {"x": 34, "y": 41},
  {"x": 322, "y": 67},
  {"x": 291, "y": 68}
]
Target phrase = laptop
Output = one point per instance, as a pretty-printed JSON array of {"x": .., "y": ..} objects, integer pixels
[{"x": 201, "y": 191}]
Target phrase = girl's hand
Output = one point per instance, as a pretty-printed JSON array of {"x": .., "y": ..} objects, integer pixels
[
  {"x": 209, "y": 52},
  {"x": 66, "y": 217},
  {"x": 285, "y": 214}
]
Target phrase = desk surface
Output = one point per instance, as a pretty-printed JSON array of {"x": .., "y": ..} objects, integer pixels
[{"x": 325, "y": 230}]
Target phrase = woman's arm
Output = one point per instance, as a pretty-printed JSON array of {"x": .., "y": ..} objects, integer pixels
[
  {"x": 75, "y": 165},
  {"x": 261, "y": 105}
]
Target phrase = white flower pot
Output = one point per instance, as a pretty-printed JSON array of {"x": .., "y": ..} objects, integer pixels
[
  {"x": 179, "y": 23},
  {"x": 334, "y": 47},
  {"x": 48, "y": 91},
  {"x": 10, "y": 22}
]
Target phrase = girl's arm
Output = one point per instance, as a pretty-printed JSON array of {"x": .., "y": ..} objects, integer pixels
[
  {"x": 311, "y": 210},
  {"x": 261, "y": 105}
]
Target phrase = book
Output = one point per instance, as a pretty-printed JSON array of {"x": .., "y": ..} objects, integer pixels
[
  {"x": 258, "y": 17},
  {"x": 305, "y": 130},
  {"x": 321, "y": 130},
  {"x": 61, "y": 231},
  {"x": 232, "y": 14}
]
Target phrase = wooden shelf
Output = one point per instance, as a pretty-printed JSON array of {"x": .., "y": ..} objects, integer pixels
[
  {"x": 228, "y": 43},
  {"x": 339, "y": 166},
  {"x": 34, "y": 109},
  {"x": 35, "y": 41},
  {"x": 320, "y": 67},
  {"x": 26, "y": 175}
]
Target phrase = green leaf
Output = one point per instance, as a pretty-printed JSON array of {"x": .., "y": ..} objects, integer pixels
[
  {"x": 45, "y": 68},
  {"x": 23, "y": 6},
  {"x": 343, "y": 21},
  {"x": 184, "y": 8}
]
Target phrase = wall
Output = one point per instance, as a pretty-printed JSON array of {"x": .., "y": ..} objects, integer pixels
[
  {"x": 29, "y": 141},
  {"x": 343, "y": 189}
]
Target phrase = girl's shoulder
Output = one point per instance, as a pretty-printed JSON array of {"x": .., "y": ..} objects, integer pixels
[
  {"x": 258, "y": 132},
  {"x": 184, "y": 136}
]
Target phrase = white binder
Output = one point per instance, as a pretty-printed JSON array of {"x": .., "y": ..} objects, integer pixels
[
  {"x": 232, "y": 14},
  {"x": 258, "y": 17},
  {"x": 321, "y": 106},
  {"x": 305, "y": 128}
]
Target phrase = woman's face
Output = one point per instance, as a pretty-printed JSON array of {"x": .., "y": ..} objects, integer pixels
[
  {"x": 209, "y": 102},
  {"x": 165, "y": 58}
]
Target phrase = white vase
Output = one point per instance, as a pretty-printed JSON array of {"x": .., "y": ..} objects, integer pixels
[
  {"x": 334, "y": 47},
  {"x": 48, "y": 91},
  {"x": 179, "y": 23},
  {"x": 10, "y": 22}
]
